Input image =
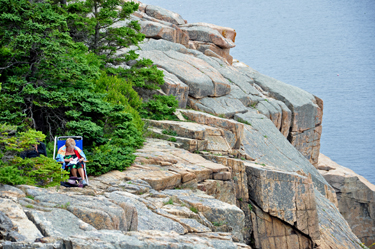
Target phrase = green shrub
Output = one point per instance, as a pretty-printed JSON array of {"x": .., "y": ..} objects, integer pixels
[
  {"x": 120, "y": 91},
  {"x": 14, "y": 170},
  {"x": 161, "y": 107}
]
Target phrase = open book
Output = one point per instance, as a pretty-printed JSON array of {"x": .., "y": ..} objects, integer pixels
[{"x": 74, "y": 161}]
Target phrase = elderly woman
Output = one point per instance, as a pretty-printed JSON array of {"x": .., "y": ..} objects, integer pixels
[{"x": 72, "y": 159}]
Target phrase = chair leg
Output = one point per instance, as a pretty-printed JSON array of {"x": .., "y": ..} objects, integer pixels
[{"x": 87, "y": 179}]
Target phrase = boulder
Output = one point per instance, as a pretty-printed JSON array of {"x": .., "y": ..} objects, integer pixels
[
  {"x": 356, "y": 198},
  {"x": 215, "y": 51},
  {"x": 233, "y": 130},
  {"x": 228, "y": 33},
  {"x": 263, "y": 141},
  {"x": 167, "y": 32},
  {"x": 161, "y": 45},
  {"x": 155, "y": 176},
  {"x": 207, "y": 34},
  {"x": 270, "y": 232},
  {"x": 164, "y": 15},
  {"x": 287, "y": 196}
]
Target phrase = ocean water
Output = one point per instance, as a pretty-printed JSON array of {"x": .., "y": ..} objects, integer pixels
[{"x": 326, "y": 47}]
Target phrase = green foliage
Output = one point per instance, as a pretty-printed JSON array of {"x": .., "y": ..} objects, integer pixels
[
  {"x": 30, "y": 197},
  {"x": 120, "y": 91},
  {"x": 161, "y": 107},
  {"x": 169, "y": 132},
  {"x": 56, "y": 77},
  {"x": 250, "y": 207},
  {"x": 218, "y": 223},
  {"x": 14, "y": 170},
  {"x": 194, "y": 209},
  {"x": 243, "y": 121},
  {"x": 170, "y": 202},
  {"x": 172, "y": 139},
  {"x": 104, "y": 33}
]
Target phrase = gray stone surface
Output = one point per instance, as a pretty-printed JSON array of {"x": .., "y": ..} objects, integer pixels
[
  {"x": 335, "y": 231},
  {"x": 225, "y": 106},
  {"x": 163, "y": 14},
  {"x": 21, "y": 223},
  {"x": 148, "y": 220},
  {"x": 287, "y": 196},
  {"x": 7, "y": 191},
  {"x": 174, "y": 86},
  {"x": 263, "y": 142},
  {"x": 97, "y": 211},
  {"x": 220, "y": 213},
  {"x": 8, "y": 231},
  {"x": 59, "y": 223},
  {"x": 221, "y": 85},
  {"x": 200, "y": 85},
  {"x": 161, "y": 45}
]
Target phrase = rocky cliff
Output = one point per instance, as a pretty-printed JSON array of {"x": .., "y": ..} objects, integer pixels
[{"x": 238, "y": 171}]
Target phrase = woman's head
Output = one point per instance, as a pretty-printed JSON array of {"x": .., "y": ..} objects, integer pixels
[{"x": 70, "y": 143}]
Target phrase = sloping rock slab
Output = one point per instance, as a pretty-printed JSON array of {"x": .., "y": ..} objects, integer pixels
[
  {"x": 59, "y": 223},
  {"x": 334, "y": 230},
  {"x": 19, "y": 219},
  {"x": 264, "y": 142},
  {"x": 200, "y": 85},
  {"x": 97, "y": 211},
  {"x": 288, "y": 196},
  {"x": 215, "y": 211},
  {"x": 356, "y": 198},
  {"x": 150, "y": 240},
  {"x": 147, "y": 220}
]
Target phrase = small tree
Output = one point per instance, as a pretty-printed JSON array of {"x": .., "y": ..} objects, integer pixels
[{"x": 103, "y": 26}]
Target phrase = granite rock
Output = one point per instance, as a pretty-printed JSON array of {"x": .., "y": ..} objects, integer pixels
[{"x": 356, "y": 198}]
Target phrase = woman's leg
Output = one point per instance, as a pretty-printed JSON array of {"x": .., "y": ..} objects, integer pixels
[
  {"x": 81, "y": 173},
  {"x": 74, "y": 172}
]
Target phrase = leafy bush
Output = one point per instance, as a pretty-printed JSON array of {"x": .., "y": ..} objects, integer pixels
[
  {"x": 161, "y": 107},
  {"x": 120, "y": 91},
  {"x": 14, "y": 170}
]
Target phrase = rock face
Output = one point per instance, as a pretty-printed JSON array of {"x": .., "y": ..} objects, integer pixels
[
  {"x": 356, "y": 198},
  {"x": 200, "y": 72},
  {"x": 238, "y": 171}
]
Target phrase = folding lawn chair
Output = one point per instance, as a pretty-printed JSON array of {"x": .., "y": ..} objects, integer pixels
[{"x": 60, "y": 142}]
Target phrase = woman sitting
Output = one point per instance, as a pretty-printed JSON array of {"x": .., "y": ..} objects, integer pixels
[{"x": 72, "y": 159}]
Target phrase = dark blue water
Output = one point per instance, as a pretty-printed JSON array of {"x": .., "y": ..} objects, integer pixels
[{"x": 326, "y": 47}]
